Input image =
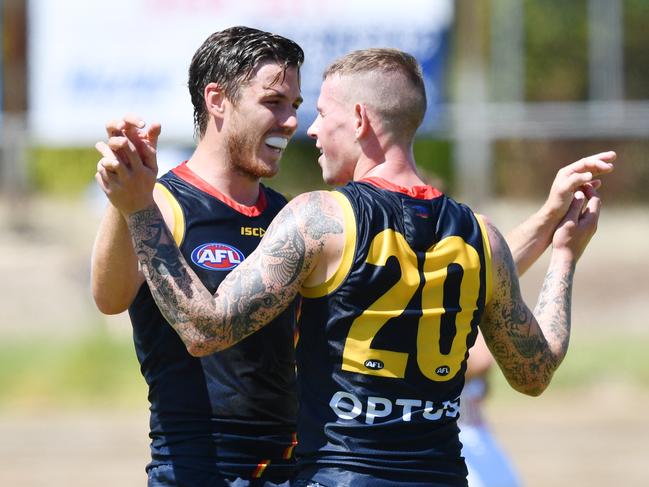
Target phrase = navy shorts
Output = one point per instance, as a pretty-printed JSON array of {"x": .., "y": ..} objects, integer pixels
[
  {"x": 170, "y": 476},
  {"x": 336, "y": 477}
]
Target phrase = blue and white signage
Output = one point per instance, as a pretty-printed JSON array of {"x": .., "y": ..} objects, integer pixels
[{"x": 92, "y": 61}]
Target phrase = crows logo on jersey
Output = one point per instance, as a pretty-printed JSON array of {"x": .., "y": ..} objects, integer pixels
[{"x": 216, "y": 256}]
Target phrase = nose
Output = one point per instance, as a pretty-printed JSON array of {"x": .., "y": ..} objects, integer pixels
[
  {"x": 287, "y": 120},
  {"x": 290, "y": 121},
  {"x": 312, "y": 131}
]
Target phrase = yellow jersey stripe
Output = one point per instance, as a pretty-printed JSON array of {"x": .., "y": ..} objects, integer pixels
[
  {"x": 178, "y": 228},
  {"x": 487, "y": 258}
]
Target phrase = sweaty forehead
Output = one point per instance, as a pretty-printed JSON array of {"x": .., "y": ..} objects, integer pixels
[{"x": 272, "y": 77}]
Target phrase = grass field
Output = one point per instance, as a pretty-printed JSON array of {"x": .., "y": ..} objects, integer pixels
[
  {"x": 73, "y": 408},
  {"x": 93, "y": 370},
  {"x": 100, "y": 369}
]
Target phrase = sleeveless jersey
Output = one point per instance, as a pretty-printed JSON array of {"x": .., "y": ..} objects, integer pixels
[
  {"x": 234, "y": 411},
  {"x": 383, "y": 343}
]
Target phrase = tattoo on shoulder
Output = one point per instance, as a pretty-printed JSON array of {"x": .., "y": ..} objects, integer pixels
[
  {"x": 294, "y": 235},
  {"x": 283, "y": 249},
  {"x": 319, "y": 221}
]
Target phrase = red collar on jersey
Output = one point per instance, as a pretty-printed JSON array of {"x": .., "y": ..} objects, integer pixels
[
  {"x": 420, "y": 192},
  {"x": 186, "y": 174}
]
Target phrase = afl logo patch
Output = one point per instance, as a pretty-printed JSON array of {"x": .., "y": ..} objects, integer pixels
[
  {"x": 443, "y": 370},
  {"x": 217, "y": 256},
  {"x": 374, "y": 364}
]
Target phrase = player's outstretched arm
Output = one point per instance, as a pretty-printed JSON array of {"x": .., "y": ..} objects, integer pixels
[
  {"x": 528, "y": 346},
  {"x": 252, "y": 295},
  {"x": 530, "y": 239}
]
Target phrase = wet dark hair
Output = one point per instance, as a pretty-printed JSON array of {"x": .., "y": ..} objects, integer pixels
[{"x": 229, "y": 57}]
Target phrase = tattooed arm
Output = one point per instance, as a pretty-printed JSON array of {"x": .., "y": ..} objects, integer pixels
[
  {"x": 528, "y": 346},
  {"x": 302, "y": 238},
  {"x": 532, "y": 237}
]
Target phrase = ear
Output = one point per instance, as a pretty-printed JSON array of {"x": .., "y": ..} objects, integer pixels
[
  {"x": 214, "y": 99},
  {"x": 361, "y": 121}
]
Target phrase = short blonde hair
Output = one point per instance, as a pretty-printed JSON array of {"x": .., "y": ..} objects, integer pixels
[{"x": 397, "y": 93}]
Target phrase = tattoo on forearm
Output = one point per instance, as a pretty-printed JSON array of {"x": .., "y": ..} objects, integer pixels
[
  {"x": 554, "y": 305},
  {"x": 155, "y": 247},
  {"x": 529, "y": 347},
  {"x": 172, "y": 286}
]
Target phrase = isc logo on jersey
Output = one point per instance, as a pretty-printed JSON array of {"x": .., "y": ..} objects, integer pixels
[{"x": 217, "y": 256}]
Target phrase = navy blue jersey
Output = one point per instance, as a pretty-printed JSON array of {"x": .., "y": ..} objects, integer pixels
[
  {"x": 234, "y": 411},
  {"x": 383, "y": 343}
]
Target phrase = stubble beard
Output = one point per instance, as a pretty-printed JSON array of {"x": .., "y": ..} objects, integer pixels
[{"x": 242, "y": 150}]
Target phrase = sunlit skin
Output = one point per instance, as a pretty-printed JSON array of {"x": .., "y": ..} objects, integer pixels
[{"x": 334, "y": 120}]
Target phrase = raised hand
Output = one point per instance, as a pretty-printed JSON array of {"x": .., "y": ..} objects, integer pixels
[
  {"x": 144, "y": 139},
  {"x": 579, "y": 225},
  {"x": 128, "y": 169},
  {"x": 576, "y": 176},
  {"x": 530, "y": 239}
]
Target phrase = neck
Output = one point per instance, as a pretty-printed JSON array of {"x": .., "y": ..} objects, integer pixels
[
  {"x": 212, "y": 165},
  {"x": 395, "y": 165}
]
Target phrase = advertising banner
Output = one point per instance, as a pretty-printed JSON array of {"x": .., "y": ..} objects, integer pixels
[{"x": 92, "y": 61}]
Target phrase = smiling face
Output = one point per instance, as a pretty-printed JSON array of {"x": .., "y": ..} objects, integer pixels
[
  {"x": 334, "y": 131},
  {"x": 262, "y": 120}
]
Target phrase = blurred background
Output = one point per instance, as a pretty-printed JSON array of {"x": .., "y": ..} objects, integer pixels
[{"x": 517, "y": 89}]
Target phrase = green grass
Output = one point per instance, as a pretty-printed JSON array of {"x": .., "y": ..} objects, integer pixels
[
  {"x": 97, "y": 370},
  {"x": 61, "y": 171},
  {"x": 598, "y": 358},
  {"x": 619, "y": 357},
  {"x": 100, "y": 370}
]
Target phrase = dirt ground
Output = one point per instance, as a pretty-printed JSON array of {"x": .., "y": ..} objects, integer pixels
[
  {"x": 596, "y": 438},
  {"x": 599, "y": 439}
]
